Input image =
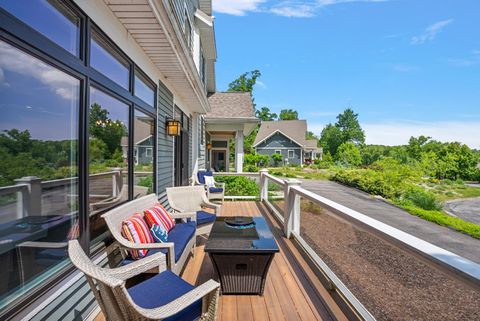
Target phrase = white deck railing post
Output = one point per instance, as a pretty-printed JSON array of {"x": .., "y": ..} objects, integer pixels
[
  {"x": 292, "y": 208},
  {"x": 116, "y": 180},
  {"x": 263, "y": 185},
  {"x": 29, "y": 203}
]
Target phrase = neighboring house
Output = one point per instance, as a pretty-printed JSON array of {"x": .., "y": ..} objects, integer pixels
[
  {"x": 232, "y": 117},
  {"x": 142, "y": 62},
  {"x": 287, "y": 138}
]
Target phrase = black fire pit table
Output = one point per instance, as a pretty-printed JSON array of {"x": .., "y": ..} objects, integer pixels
[{"x": 241, "y": 249}]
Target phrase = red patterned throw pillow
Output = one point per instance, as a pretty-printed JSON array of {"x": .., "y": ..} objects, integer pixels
[
  {"x": 136, "y": 230},
  {"x": 158, "y": 215}
]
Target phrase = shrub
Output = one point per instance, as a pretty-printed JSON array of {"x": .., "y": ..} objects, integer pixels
[
  {"x": 349, "y": 155},
  {"x": 251, "y": 168},
  {"x": 421, "y": 198},
  {"x": 277, "y": 159},
  {"x": 239, "y": 186}
]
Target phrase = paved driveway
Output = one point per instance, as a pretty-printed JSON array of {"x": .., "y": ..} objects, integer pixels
[
  {"x": 467, "y": 209},
  {"x": 359, "y": 201}
]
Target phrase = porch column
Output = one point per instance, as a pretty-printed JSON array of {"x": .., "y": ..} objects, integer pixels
[{"x": 239, "y": 151}]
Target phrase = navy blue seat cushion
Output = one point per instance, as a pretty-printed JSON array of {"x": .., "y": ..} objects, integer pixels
[
  {"x": 201, "y": 176},
  {"x": 205, "y": 217},
  {"x": 162, "y": 289},
  {"x": 180, "y": 235},
  {"x": 215, "y": 189}
]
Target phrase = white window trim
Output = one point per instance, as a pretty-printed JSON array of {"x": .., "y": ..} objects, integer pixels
[
  {"x": 148, "y": 151},
  {"x": 278, "y": 151},
  {"x": 291, "y": 151}
]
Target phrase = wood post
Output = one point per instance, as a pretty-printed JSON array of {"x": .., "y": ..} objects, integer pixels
[
  {"x": 263, "y": 185},
  {"x": 29, "y": 203},
  {"x": 292, "y": 208}
]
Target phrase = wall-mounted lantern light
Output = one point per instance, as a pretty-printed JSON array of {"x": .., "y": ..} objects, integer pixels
[
  {"x": 173, "y": 127},
  {"x": 209, "y": 146}
]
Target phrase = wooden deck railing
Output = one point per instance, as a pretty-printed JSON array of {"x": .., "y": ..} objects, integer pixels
[{"x": 289, "y": 216}]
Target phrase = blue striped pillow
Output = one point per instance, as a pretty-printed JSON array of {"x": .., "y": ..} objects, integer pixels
[{"x": 159, "y": 233}]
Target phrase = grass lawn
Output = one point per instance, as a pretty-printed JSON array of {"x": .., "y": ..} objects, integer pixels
[{"x": 298, "y": 172}]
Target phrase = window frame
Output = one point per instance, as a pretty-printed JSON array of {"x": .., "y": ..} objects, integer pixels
[
  {"x": 20, "y": 35},
  {"x": 291, "y": 151},
  {"x": 278, "y": 151}
]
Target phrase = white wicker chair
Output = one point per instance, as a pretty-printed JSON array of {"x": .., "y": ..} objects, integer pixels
[
  {"x": 213, "y": 193},
  {"x": 116, "y": 301},
  {"x": 116, "y": 216},
  {"x": 188, "y": 199}
]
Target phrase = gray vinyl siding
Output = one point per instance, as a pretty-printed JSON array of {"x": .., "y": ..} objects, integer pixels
[
  {"x": 278, "y": 140},
  {"x": 190, "y": 146},
  {"x": 296, "y": 160},
  {"x": 201, "y": 147},
  {"x": 164, "y": 143},
  {"x": 179, "y": 8}
]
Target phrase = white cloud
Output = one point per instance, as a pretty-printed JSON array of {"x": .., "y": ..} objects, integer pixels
[
  {"x": 261, "y": 84},
  {"x": 399, "y": 132},
  {"x": 236, "y": 7},
  {"x": 294, "y": 10},
  {"x": 430, "y": 32},
  {"x": 286, "y": 8},
  {"x": 60, "y": 83}
]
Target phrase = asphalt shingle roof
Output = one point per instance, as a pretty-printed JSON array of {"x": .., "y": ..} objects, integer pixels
[
  {"x": 293, "y": 129},
  {"x": 231, "y": 105}
]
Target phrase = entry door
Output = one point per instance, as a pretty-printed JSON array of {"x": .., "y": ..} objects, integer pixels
[
  {"x": 219, "y": 160},
  {"x": 182, "y": 157}
]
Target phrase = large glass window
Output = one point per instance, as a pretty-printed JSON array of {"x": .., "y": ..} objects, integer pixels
[
  {"x": 144, "y": 90},
  {"x": 108, "y": 61},
  {"x": 38, "y": 170},
  {"x": 144, "y": 139},
  {"x": 108, "y": 156},
  {"x": 51, "y": 18}
]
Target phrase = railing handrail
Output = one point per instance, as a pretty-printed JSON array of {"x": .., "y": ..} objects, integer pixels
[
  {"x": 244, "y": 174},
  {"x": 446, "y": 259},
  {"x": 277, "y": 180},
  {"x": 5, "y": 190}
]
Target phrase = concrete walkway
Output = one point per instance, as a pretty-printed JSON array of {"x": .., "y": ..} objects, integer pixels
[
  {"x": 359, "y": 201},
  {"x": 466, "y": 209}
]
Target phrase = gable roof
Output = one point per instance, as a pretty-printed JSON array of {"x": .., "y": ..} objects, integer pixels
[
  {"x": 231, "y": 105},
  {"x": 312, "y": 145},
  {"x": 292, "y": 129}
]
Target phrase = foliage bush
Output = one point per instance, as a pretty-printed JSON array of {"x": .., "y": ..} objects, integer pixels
[
  {"x": 419, "y": 197},
  {"x": 251, "y": 168},
  {"x": 277, "y": 159},
  {"x": 239, "y": 185},
  {"x": 257, "y": 160},
  {"x": 348, "y": 155}
]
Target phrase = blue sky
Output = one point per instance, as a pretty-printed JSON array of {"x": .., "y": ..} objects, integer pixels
[{"x": 408, "y": 67}]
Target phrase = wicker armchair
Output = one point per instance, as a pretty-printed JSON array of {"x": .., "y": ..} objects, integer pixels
[
  {"x": 115, "y": 217},
  {"x": 216, "y": 192},
  {"x": 160, "y": 297},
  {"x": 188, "y": 199}
]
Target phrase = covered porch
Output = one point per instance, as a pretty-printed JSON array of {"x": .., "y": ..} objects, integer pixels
[{"x": 231, "y": 119}]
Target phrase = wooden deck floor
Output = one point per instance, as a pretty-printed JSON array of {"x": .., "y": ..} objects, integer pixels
[{"x": 292, "y": 291}]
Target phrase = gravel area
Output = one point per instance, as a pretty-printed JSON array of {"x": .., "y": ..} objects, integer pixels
[{"x": 390, "y": 283}]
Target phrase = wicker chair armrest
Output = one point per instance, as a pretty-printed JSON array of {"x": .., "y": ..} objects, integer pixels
[
  {"x": 155, "y": 261},
  {"x": 191, "y": 215},
  {"x": 147, "y": 246},
  {"x": 208, "y": 289},
  {"x": 222, "y": 185},
  {"x": 213, "y": 206}
]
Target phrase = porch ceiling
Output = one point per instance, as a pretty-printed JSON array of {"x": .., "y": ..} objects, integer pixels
[{"x": 154, "y": 27}]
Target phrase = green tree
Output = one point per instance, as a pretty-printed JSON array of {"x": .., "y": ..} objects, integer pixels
[
  {"x": 245, "y": 82},
  {"x": 102, "y": 127},
  {"x": 288, "y": 114},
  {"x": 331, "y": 139},
  {"x": 415, "y": 145},
  {"x": 310, "y": 135},
  {"x": 348, "y": 154},
  {"x": 264, "y": 114},
  {"x": 348, "y": 123}
]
